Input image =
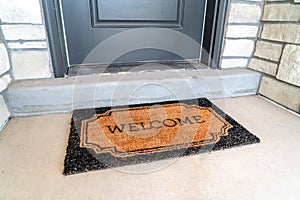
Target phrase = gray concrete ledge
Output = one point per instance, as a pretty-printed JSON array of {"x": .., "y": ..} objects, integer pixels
[{"x": 33, "y": 97}]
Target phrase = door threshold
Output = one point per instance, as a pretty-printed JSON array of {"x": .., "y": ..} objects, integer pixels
[{"x": 133, "y": 67}]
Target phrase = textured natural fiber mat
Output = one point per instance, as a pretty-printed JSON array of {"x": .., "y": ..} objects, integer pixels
[{"x": 107, "y": 137}]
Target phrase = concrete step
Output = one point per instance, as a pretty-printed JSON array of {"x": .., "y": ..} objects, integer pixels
[{"x": 34, "y": 97}]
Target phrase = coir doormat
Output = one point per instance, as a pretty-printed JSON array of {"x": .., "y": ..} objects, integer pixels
[{"x": 110, "y": 137}]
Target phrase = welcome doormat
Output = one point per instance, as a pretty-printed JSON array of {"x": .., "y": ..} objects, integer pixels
[{"x": 102, "y": 138}]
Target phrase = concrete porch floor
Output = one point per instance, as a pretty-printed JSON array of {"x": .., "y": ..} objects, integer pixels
[{"x": 32, "y": 151}]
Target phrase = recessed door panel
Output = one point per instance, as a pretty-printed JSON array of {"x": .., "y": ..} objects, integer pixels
[
  {"x": 135, "y": 10},
  {"x": 129, "y": 13}
]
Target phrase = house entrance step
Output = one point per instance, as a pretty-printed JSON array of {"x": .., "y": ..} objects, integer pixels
[{"x": 59, "y": 95}]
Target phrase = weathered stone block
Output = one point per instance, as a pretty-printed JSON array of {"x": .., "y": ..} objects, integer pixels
[
  {"x": 289, "y": 68},
  {"x": 281, "y": 12},
  {"x": 30, "y": 64},
  {"x": 4, "y": 113},
  {"x": 4, "y": 61},
  {"x": 16, "y": 11},
  {"x": 241, "y": 31},
  {"x": 24, "y": 32},
  {"x": 4, "y": 81},
  {"x": 244, "y": 13},
  {"x": 268, "y": 50},
  {"x": 263, "y": 66},
  {"x": 282, "y": 93},
  {"x": 232, "y": 63},
  {"x": 238, "y": 48},
  {"x": 27, "y": 45},
  {"x": 281, "y": 32}
]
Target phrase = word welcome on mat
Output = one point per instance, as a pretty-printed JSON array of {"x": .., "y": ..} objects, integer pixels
[
  {"x": 154, "y": 124},
  {"x": 107, "y": 137}
]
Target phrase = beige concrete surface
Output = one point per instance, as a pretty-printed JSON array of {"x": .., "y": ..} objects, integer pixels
[{"x": 32, "y": 151}]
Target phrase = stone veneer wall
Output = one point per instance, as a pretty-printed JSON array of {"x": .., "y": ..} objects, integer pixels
[
  {"x": 242, "y": 29},
  {"x": 5, "y": 79},
  {"x": 277, "y": 53},
  {"x": 24, "y": 35}
]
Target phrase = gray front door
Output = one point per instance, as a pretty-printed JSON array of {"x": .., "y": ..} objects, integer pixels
[{"x": 88, "y": 23}]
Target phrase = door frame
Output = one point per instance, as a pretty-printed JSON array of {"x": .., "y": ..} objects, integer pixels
[{"x": 211, "y": 42}]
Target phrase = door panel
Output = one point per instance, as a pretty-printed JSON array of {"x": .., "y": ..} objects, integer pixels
[
  {"x": 135, "y": 10},
  {"x": 129, "y": 13},
  {"x": 88, "y": 23}
]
